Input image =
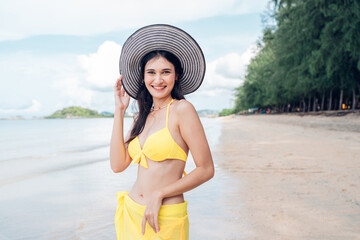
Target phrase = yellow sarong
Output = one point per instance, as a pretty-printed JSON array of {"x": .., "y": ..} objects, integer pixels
[{"x": 173, "y": 221}]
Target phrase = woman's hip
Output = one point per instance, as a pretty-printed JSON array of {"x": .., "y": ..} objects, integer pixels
[{"x": 173, "y": 220}]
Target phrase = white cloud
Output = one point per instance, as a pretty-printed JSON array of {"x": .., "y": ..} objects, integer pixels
[
  {"x": 223, "y": 75},
  {"x": 102, "y": 67},
  {"x": 75, "y": 93},
  {"x": 20, "y": 19},
  {"x": 227, "y": 71},
  {"x": 32, "y": 108},
  {"x": 212, "y": 92},
  {"x": 58, "y": 81},
  {"x": 233, "y": 65},
  {"x": 92, "y": 79}
]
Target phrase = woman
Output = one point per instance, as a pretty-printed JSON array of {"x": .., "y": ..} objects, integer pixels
[{"x": 159, "y": 63}]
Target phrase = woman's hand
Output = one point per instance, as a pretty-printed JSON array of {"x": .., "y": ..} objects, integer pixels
[
  {"x": 121, "y": 97},
  {"x": 152, "y": 212}
]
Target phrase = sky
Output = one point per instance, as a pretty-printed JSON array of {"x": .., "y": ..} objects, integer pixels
[{"x": 56, "y": 54}]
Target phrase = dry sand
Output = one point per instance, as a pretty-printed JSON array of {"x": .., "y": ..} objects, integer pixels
[{"x": 300, "y": 175}]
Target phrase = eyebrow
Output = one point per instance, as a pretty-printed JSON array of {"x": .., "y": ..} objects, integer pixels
[{"x": 150, "y": 69}]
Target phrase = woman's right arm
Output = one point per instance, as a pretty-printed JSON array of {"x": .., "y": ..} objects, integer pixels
[{"x": 119, "y": 156}]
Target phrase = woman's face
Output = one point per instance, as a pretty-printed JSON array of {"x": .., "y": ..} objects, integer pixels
[{"x": 159, "y": 77}]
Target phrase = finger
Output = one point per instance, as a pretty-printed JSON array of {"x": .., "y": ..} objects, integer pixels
[
  {"x": 156, "y": 223},
  {"x": 118, "y": 82},
  {"x": 151, "y": 222},
  {"x": 143, "y": 226}
]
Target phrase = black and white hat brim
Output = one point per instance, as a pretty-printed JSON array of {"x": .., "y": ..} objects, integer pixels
[{"x": 167, "y": 38}]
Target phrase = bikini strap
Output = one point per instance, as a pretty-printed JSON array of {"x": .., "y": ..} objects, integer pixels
[{"x": 167, "y": 112}]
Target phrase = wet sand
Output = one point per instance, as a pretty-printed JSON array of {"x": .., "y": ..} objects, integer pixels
[{"x": 300, "y": 176}]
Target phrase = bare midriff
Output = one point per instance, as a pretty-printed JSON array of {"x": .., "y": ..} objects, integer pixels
[{"x": 157, "y": 176}]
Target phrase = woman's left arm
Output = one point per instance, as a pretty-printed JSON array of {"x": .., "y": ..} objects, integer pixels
[{"x": 193, "y": 134}]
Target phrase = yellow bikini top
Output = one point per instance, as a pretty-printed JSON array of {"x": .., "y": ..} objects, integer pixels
[{"x": 159, "y": 146}]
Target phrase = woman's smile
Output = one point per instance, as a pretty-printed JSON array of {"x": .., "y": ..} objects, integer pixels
[{"x": 158, "y": 88}]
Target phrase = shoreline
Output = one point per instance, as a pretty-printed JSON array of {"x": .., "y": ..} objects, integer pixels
[
  {"x": 347, "y": 123},
  {"x": 328, "y": 113},
  {"x": 300, "y": 175}
]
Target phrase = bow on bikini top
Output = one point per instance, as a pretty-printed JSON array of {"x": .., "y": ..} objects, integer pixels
[{"x": 159, "y": 146}]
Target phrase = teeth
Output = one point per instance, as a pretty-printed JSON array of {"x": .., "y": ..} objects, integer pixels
[{"x": 159, "y": 87}]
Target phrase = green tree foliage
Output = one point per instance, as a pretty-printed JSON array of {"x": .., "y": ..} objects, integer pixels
[
  {"x": 226, "y": 112},
  {"x": 309, "y": 61}
]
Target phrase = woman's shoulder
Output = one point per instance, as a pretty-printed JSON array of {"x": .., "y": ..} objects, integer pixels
[{"x": 184, "y": 108}]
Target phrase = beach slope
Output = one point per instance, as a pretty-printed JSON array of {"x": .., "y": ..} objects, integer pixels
[{"x": 301, "y": 175}]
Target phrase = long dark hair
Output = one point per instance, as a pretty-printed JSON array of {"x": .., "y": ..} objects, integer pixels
[{"x": 144, "y": 98}]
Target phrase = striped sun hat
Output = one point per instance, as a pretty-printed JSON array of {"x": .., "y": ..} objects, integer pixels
[{"x": 167, "y": 38}]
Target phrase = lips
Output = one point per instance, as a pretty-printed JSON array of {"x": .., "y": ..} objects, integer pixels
[{"x": 158, "y": 88}]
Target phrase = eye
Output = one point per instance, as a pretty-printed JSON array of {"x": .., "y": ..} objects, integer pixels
[
  {"x": 150, "y": 72},
  {"x": 166, "y": 71}
]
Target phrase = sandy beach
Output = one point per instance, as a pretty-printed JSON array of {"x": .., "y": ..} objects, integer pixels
[{"x": 300, "y": 176}]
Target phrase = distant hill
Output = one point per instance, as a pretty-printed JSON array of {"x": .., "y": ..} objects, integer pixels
[
  {"x": 207, "y": 112},
  {"x": 78, "y": 112}
]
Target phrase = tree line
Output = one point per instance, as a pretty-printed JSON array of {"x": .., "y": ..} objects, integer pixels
[{"x": 309, "y": 60}]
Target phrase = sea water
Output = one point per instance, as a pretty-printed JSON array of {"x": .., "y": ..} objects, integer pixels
[{"x": 56, "y": 181}]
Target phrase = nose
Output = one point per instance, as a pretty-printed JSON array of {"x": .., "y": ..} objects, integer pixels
[{"x": 158, "y": 79}]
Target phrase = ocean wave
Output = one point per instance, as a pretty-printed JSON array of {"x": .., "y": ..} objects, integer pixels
[
  {"x": 55, "y": 154},
  {"x": 50, "y": 170}
]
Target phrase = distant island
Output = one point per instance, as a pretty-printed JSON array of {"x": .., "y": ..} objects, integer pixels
[{"x": 78, "y": 112}]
